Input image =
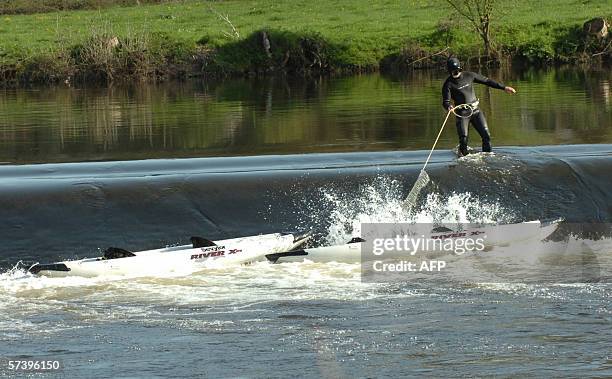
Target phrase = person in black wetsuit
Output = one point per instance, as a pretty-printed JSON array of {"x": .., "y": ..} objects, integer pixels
[{"x": 459, "y": 88}]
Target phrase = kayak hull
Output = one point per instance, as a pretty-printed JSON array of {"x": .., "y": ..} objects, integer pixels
[
  {"x": 495, "y": 235},
  {"x": 177, "y": 259}
]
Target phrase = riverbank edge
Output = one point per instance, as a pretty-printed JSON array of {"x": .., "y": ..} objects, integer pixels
[{"x": 103, "y": 59}]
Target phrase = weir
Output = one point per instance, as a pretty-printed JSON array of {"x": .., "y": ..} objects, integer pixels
[{"x": 140, "y": 204}]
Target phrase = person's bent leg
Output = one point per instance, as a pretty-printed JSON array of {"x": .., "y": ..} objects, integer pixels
[
  {"x": 480, "y": 124},
  {"x": 462, "y": 132}
]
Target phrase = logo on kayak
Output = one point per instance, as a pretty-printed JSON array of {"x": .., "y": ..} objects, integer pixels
[
  {"x": 214, "y": 251},
  {"x": 457, "y": 235}
]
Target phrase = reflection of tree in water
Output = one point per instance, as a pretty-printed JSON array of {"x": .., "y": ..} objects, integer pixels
[{"x": 281, "y": 115}]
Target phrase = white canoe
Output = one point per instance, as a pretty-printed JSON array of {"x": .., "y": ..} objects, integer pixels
[
  {"x": 493, "y": 235},
  {"x": 201, "y": 254}
]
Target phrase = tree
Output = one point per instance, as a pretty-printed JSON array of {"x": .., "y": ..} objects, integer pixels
[{"x": 478, "y": 13}]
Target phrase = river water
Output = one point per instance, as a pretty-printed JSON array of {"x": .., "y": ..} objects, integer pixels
[
  {"x": 89, "y": 168},
  {"x": 279, "y": 116}
]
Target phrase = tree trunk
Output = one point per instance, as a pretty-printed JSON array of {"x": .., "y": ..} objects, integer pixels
[
  {"x": 485, "y": 33},
  {"x": 597, "y": 27}
]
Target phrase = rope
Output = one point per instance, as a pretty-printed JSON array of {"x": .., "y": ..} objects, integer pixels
[
  {"x": 460, "y": 106},
  {"x": 469, "y": 107},
  {"x": 423, "y": 178}
]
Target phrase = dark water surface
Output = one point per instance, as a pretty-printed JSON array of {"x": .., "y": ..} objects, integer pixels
[
  {"x": 368, "y": 138},
  {"x": 278, "y": 116},
  {"x": 61, "y": 211}
]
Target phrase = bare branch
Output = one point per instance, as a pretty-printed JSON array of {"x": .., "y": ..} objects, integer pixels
[
  {"x": 604, "y": 50},
  {"x": 478, "y": 13},
  {"x": 235, "y": 34},
  {"x": 466, "y": 12},
  {"x": 459, "y": 10},
  {"x": 429, "y": 56}
]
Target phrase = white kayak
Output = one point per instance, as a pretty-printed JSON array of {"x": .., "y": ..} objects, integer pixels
[
  {"x": 493, "y": 235},
  {"x": 201, "y": 254}
]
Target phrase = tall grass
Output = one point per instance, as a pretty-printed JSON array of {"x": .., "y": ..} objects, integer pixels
[
  {"x": 104, "y": 57},
  {"x": 226, "y": 37},
  {"x": 44, "y": 6}
]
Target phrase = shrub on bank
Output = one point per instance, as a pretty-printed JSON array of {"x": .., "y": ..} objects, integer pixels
[
  {"x": 46, "y": 69},
  {"x": 44, "y": 6},
  {"x": 105, "y": 57},
  {"x": 269, "y": 50}
]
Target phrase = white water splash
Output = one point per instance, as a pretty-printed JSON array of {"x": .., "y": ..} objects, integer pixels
[
  {"x": 382, "y": 201},
  {"x": 461, "y": 208}
]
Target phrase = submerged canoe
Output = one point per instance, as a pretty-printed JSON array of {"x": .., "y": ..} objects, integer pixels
[
  {"x": 492, "y": 235},
  {"x": 201, "y": 254}
]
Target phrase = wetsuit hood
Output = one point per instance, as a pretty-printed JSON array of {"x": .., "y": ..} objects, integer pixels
[{"x": 453, "y": 64}]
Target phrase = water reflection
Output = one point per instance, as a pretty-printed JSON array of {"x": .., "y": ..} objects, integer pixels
[{"x": 276, "y": 115}]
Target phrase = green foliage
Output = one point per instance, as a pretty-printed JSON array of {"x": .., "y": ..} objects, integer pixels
[
  {"x": 536, "y": 51},
  {"x": 412, "y": 55},
  {"x": 288, "y": 51},
  {"x": 570, "y": 43},
  {"x": 449, "y": 32},
  {"x": 170, "y": 49},
  {"x": 45, "y": 69},
  {"x": 42, "y": 6},
  {"x": 179, "y": 37},
  {"x": 209, "y": 41},
  {"x": 104, "y": 57}
]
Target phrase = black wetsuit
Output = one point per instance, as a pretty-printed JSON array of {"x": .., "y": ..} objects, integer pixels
[{"x": 461, "y": 91}]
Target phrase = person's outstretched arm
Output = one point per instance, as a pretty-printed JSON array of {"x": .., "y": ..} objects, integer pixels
[{"x": 492, "y": 83}]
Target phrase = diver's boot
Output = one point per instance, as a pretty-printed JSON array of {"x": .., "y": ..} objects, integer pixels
[
  {"x": 486, "y": 146},
  {"x": 463, "y": 146}
]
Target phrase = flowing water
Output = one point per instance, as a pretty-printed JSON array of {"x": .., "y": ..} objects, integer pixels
[{"x": 271, "y": 155}]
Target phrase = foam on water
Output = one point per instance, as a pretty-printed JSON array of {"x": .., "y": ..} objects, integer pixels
[
  {"x": 383, "y": 200},
  {"x": 243, "y": 284},
  {"x": 30, "y": 304},
  {"x": 248, "y": 288},
  {"x": 379, "y": 201}
]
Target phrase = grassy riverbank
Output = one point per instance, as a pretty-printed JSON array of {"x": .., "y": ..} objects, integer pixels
[
  {"x": 44, "y": 6},
  {"x": 225, "y": 37}
]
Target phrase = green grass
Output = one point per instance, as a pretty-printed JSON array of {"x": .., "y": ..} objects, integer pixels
[
  {"x": 42, "y": 6},
  {"x": 357, "y": 34}
]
